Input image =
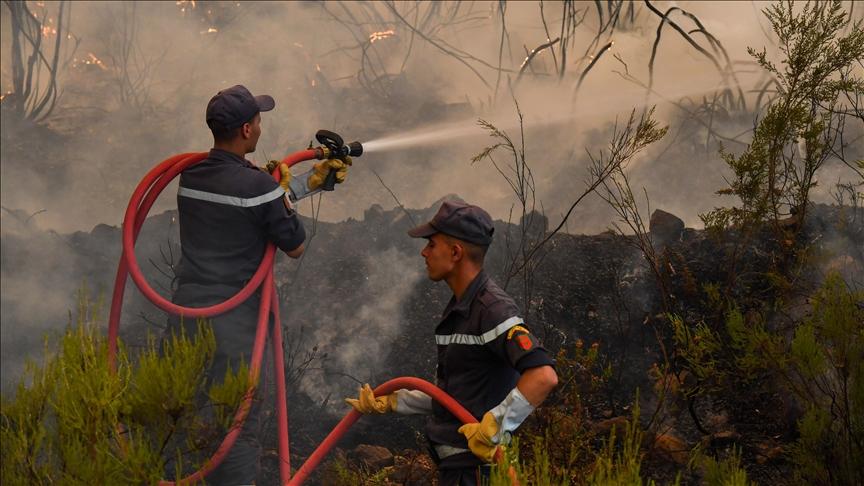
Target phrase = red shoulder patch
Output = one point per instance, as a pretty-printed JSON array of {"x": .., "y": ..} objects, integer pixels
[{"x": 524, "y": 341}]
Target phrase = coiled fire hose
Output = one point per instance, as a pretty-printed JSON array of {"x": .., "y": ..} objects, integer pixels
[{"x": 139, "y": 205}]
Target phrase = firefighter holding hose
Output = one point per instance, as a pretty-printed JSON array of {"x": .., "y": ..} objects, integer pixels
[
  {"x": 229, "y": 210},
  {"x": 488, "y": 360}
]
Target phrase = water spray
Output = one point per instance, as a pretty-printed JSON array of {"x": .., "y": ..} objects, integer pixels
[
  {"x": 600, "y": 106},
  {"x": 422, "y": 137}
]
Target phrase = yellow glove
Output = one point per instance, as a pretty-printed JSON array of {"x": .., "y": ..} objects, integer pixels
[
  {"x": 321, "y": 169},
  {"x": 367, "y": 402},
  {"x": 480, "y": 435},
  {"x": 283, "y": 169}
]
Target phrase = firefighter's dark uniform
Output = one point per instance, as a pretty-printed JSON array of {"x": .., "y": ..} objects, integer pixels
[
  {"x": 483, "y": 347},
  {"x": 229, "y": 210}
]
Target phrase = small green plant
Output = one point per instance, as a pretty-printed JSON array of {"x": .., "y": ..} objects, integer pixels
[
  {"x": 620, "y": 464},
  {"x": 74, "y": 420},
  {"x": 582, "y": 372},
  {"x": 555, "y": 445},
  {"x": 697, "y": 346},
  {"x": 826, "y": 374},
  {"x": 725, "y": 472},
  {"x": 753, "y": 346},
  {"x": 340, "y": 471},
  {"x": 538, "y": 470}
]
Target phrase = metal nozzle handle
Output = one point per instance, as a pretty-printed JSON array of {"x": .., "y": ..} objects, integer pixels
[
  {"x": 338, "y": 150},
  {"x": 329, "y": 181}
]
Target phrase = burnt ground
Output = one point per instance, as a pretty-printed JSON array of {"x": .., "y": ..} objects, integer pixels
[{"x": 593, "y": 288}]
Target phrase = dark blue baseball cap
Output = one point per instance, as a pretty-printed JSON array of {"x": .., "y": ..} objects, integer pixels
[
  {"x": 234, "y": 106},
  {"x": 459, "y": 220}
]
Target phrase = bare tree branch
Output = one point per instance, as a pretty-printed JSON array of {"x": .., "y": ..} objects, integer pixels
[{"x": 398, "y": 202}]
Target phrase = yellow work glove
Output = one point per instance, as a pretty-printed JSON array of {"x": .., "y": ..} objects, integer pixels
[
  {"x": 321, "y": 169},
  {"x": 480, "y": 435},
  {"x": 367, "y": 402},
  {"x": 283, "y": 169}
]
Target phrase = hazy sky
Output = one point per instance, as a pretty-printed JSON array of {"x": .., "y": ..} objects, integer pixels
[{"x": 315, "y": 67}]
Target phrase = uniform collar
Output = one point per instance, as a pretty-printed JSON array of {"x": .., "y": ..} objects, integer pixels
[
  {"x": 226, "y": 156},
  {"x": 463, "y": 306}
]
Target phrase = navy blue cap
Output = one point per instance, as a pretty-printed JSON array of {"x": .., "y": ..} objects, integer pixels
[
  {"x": 234, "y": 106},
  {"x": 459, "y": 220}
]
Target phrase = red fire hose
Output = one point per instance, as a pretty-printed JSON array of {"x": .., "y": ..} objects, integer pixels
[{"x": 139, "y": 205}]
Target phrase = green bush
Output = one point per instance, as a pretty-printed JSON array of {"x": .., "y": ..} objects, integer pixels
[
  {"x": 75, "y": 421},
  {"x": 725, "y": 472},
  {"x": 773, "y": 176},
  {"x": 826, "y": 374},
  {"x": 620, "y": 466},
  {"x": 820, "y": 362},
  {"x": 617, "y": 463}
]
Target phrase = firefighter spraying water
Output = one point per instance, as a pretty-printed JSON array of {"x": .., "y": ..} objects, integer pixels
[{"x": 233, "y": 216}]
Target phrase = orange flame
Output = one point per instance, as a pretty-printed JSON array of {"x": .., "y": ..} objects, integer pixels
[
  {"x": 376, "y": 36},
  {"x": 90, "y": 60}
]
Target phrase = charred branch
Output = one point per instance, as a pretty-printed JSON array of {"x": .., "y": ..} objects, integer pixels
[
  {"x": 726, "y": 73},
  {"x": 594, "y": 60},
  {"x": 31, "y": 98},
  {"x": 530, "y": 56},
  {"x": 392, "y": 194}
]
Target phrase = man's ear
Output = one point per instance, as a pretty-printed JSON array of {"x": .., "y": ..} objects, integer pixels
[
  {"x": 457, "y": 252},
  {"x": 246, "y": 130}
]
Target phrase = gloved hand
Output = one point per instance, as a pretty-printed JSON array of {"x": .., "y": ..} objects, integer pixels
[
  {"x": 480, "y": 435},
  {"x": 283, "y": 169},
  {"x": 367, "y": 402},
  {"x": 321, "y": 169}
]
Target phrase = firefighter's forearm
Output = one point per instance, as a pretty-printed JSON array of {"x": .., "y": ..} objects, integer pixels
[
  {"x": 298, "y": 188},
  {"x": 530, "y": 391},
  {"x": 536, "y": 384},
  {"x": 411, "y": 402}
]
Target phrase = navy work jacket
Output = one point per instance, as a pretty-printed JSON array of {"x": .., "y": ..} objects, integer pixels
[
  {"x": 229, "y": 210},
  {"x": 483, "y": 347}
]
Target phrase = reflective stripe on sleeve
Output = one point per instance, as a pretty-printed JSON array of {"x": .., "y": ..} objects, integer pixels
[
  {"x": 232, "y": 200},
  {"x": 485, "y": 338},
  {"x": 444, "y": 451},
  {"x": 409, "y": 402}
]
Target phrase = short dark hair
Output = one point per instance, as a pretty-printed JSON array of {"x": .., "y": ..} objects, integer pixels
[
  {"x": 476, "y": 253},
  {"x": 222, "y": 134}
]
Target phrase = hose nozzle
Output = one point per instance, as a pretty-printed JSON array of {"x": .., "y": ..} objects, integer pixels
[
  {"x": 336, "y": 149},
  {"x": 355, "y": 149},
  {"x": 336, "y": 146}
]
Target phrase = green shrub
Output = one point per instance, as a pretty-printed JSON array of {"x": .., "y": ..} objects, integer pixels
[
  {"x": 618, "y": 463},
  {"x": 340, "y": 471},
  {"x": 75, "y": 421},
  {"x": 725, "y": 472},
  {"x": 822, "y": 366},
  {"x": 698, "y": 347},
  {"x": 773, "y": 176},
  {"x": 826, "y": 374}
]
